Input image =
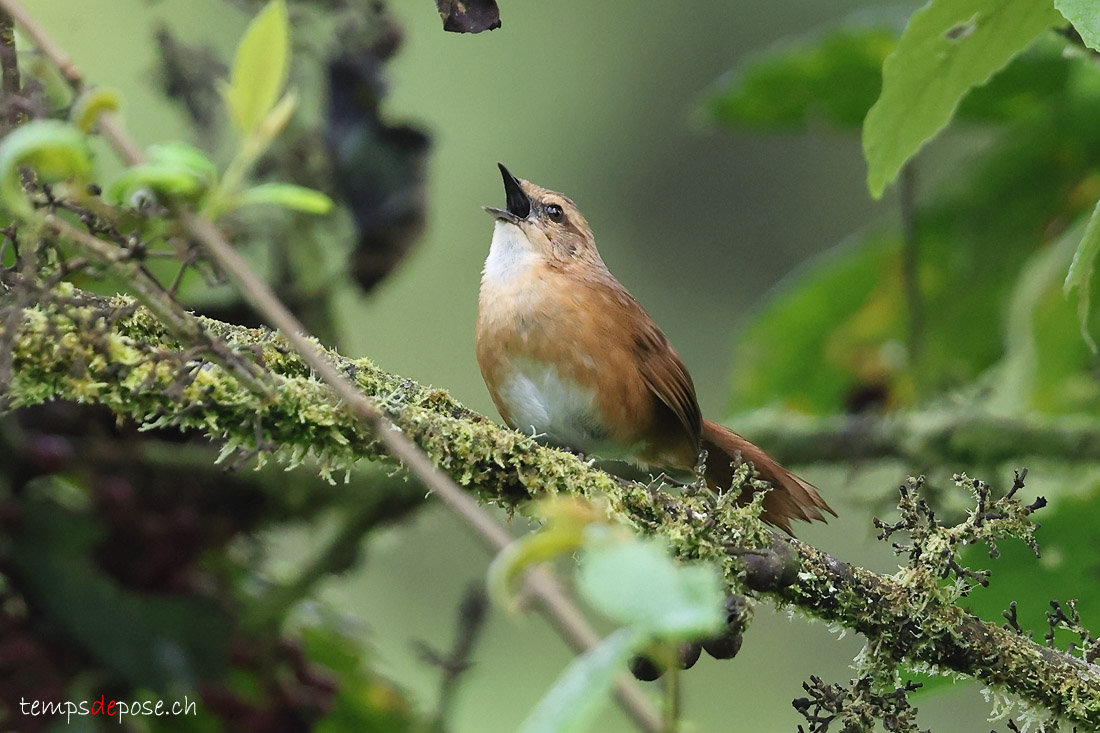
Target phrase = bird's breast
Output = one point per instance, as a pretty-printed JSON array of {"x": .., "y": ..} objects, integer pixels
[
  {"x": 556, "y": 363},
  {"x": 538, "y": 398}
]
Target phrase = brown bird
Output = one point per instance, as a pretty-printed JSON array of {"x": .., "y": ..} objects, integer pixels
[{"x": 567, "y": 353}]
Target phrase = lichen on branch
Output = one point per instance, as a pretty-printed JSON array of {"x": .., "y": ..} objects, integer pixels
[{"x": 67, "y": 344}]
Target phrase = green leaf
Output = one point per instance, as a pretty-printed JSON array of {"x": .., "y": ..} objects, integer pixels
[
  {"x": 260, "y": 68},
  {"x": 1036, "y": 79},
  {"x": 1080, "y": 273},
  {"x": 91, "y": 104},
  {"x": 947, "y": 48},
  {"x": 55, "y": 150},
  {"x": 287, "y": 195},
  {"x": 1085, "y": 18},
  {"x": 834, "y": 78},
  {"x": 164, "y": 179},
  {"x": 638, "y": 584},
  {"x": 531, "y": 549},
  {"x": 274, "y": 121},
  {"x": 180, "y": 155},
  {"x": 174, "y": 169},
  {"x": 571, "y": 704}
]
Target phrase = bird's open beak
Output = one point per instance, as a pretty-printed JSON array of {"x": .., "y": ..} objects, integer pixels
[{"x": 519, "y": 205}]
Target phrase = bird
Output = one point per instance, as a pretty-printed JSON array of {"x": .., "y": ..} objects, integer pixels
[{"x": 568, "y": 355}]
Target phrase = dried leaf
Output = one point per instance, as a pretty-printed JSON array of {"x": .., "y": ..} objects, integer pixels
[{"x": 469, "y": 16}]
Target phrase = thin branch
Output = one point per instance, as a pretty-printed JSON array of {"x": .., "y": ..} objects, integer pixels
[{"x": 472, "y": 613}]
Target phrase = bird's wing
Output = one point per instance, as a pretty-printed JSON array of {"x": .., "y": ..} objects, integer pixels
[{"x": 667, "y": 378}]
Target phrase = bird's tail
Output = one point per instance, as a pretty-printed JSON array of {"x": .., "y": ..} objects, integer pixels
[{"x": 790, "y": 498}]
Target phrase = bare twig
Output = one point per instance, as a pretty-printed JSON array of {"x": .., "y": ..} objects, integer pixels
[
  {"x": 555, "y": 604},
  {"x": 472, "y": 613}
]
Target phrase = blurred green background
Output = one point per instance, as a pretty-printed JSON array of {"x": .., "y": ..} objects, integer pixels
[{"x": 597, "y": 100}]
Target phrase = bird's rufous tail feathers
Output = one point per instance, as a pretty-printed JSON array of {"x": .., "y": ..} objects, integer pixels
[{"x": 790, "y": 498}]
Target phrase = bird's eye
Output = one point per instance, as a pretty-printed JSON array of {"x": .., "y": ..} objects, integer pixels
[{"x": 554, "y": 212}]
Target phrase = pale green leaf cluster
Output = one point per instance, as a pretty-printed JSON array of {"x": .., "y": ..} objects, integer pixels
[
  {"x": 260, "y": 109},
  {"x": 58, "y": 151}
]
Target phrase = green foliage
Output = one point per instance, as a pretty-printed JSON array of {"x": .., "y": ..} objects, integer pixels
[
  {"x": 91, "y": 104},
  {"x": 637, "y": 584},
  {"x": 974, "y": 250},
  {"x": 174, "y": 169},
  {"x": 54, "y": 150},
  {"x": 252, "y": 95},
  {"x": 1082, "y": 14},
  {"x": 286, "y": 195},
  {"x": 563, "y": 534},
  {"x": 365, "y": 702},
  {"x": 834, "y": 78},
  {"x": 260, "y": 68},
  {"x": 1079, "y": 276},
  {"x": 948, "y": 47}
]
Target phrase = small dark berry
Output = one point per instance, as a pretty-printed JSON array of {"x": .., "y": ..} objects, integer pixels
[
  {"x": 689, "y": 654},
  {"x": 645, "y": 669},
  {"x": 724, "y": 646},
  {"x": 763, "y": 570}
]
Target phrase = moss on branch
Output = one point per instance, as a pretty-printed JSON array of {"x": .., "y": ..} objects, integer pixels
[{"x": 75, "y": 346}]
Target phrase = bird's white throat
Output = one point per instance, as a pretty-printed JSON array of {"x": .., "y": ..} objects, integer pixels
[{"x": 511, "y": 256}]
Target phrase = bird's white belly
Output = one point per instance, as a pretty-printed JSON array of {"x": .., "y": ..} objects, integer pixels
[{"x": 539, "y": 400}]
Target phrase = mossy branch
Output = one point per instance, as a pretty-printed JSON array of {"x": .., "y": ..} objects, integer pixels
[{"x": 76, "y": 346}]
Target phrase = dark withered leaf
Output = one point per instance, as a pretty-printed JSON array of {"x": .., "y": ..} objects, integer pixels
[
  {"x": 469, "y": 16},
  {"x": 380, "y": 168}
]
